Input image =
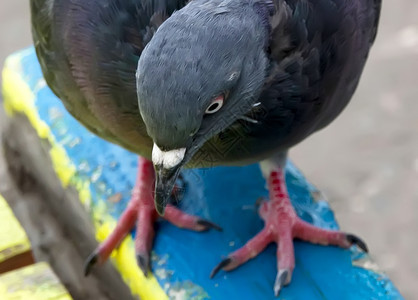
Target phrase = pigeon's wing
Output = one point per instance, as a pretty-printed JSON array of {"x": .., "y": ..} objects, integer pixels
[
  {"x": 89, "y": 50},
  {"x": 54, "y": 61},
  {"x": 317, "y": 50}
]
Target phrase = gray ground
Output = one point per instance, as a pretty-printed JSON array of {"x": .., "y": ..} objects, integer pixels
[{"x": 367, "y": 160}]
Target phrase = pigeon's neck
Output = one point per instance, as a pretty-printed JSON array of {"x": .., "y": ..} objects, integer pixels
[
  {"x": 257, "y": 12},
  {"x": 265, "y": 9}
]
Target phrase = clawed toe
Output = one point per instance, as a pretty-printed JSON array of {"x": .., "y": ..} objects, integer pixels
[
  {"x": 281, "y": 280},
  {"x": 90, "y": 262},
  {"x": 208, "y": 225},
  {"x": 143, "y": 262},
  {"x": 355, "y": 240},
  {"x": 220, "y": 266}
]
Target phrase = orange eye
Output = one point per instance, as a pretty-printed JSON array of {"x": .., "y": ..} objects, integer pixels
[{"x": 216, "y": 105}]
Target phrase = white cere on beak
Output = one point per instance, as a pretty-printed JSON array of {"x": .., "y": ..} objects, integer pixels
[{"x": 167, "y": 159}]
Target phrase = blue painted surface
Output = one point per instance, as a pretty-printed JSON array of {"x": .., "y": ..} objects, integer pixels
[{"x": 225, "y": 196}]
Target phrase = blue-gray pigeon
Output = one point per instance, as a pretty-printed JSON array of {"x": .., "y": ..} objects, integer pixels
[{"x": 206, "y": 83}]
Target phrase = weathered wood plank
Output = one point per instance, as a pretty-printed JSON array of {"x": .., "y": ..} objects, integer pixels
[
  {"x": 15, "y": 249},
  {"x": 57, "y": 224},
  {"x": 35, "y": 282}
]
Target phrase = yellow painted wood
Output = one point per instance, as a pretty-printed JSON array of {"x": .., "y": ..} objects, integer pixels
[
  {"x": 19, "y": 98},
  {"x": 35, "y": 282},
  {"x": 13, "y": 239}
]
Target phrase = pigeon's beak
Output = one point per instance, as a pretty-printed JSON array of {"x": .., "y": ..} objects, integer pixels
[
  {"x": 167, "y": 166},
  {"x": 164, "y": 184}
]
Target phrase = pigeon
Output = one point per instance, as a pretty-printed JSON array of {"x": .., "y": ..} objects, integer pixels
[{"x": 203, "y": 83}]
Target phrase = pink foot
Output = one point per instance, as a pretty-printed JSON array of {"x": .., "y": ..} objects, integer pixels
[
  {"x": 141, "y": 211},
  {"x": 281, "y": 226}
]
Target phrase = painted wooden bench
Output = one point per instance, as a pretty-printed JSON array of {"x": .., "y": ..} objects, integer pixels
[
  {"x": 20, "y": 278},
  {"x": 15, "y": 250},
  {"x": 34, "y": 282},
  {"x": 103, "y": 175}
]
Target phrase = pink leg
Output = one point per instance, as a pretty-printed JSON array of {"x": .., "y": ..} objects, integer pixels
[
  {"x": 182, "y": 220},
  {"x": 141, "y": 211},
  {"x": 281, "y": 226}
]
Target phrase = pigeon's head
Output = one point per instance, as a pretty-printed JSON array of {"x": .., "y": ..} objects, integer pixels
[{"x": 203, "y": 69}]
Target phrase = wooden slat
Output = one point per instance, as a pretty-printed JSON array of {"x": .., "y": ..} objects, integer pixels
[
  {"x": 35, "y": 282},
  {"x": 14, "y": 244}
]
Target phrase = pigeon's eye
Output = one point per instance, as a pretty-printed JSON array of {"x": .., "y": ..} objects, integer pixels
[{"x": 216, "y": 104}]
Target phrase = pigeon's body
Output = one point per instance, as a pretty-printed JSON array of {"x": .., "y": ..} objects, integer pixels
[
  {"x": 217, "y": 82},
  {"x": 89, "y": 52}
]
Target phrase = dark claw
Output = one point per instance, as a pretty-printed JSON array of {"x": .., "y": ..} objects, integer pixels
[
  {"x": 355, "y": 240},
  {"x": 259, "y": 201},
  {"x": 90, "y": 262},
  {"x": 280, "y": 281},
  {"x": 160, "y": 208},
  {"x": 209, "y": 225},
  {"x": 220, "y": 266},
  {"x": 143, "y": 263}
]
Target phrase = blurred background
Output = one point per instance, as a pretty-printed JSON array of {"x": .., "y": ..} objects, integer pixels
[{"x": 366, "y": 162}]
